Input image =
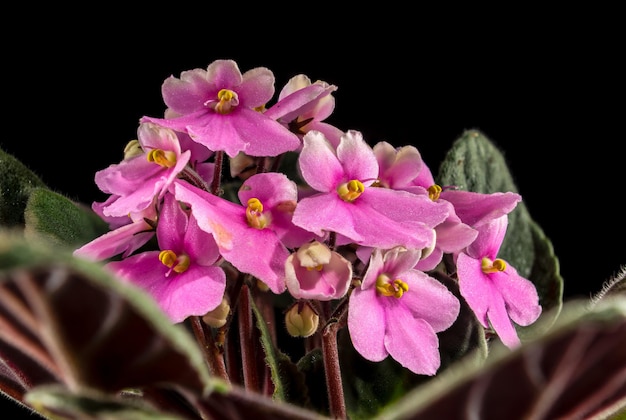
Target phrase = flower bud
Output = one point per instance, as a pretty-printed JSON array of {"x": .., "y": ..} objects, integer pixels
[
  {"x": 132, "y": 149},
  {"x": 301, "y": 320},
  {"x": 218, "y": 316},
  {"x": 313, "y": 254}
]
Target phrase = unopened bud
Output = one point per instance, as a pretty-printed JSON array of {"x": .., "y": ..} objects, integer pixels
[
  {"x": 132, "y": 149},
  {"x": 313, "y": 254},
  {"x": 218, "y": 316},
  {"x": 301, "y": 320}
]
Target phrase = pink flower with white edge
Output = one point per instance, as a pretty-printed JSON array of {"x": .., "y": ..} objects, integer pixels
[
  {"x": 277, "y": 195},
  {"x": 349, "y": 204},
  {"x": 124, "y": 237},
  {"x": 183, "y": 277},
  {"x": 218, "y": 108},
  {"x": 245, "y": 233},
  {"x": 398, "y": 311},
  {"x": 138, "y": 180},
  {"x": 493, "y": 289},
  {"x": 316, "y": 272},
  {"x": 403, "y": 169},
  {"x": 303, "y": 106}
]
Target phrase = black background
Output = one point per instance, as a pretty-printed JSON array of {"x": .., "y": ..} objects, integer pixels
[{"x": 547, "y": 88}]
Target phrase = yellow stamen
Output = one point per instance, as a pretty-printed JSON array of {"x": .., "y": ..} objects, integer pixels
[
  {"x": 434, "y": 191},
  {"x": 227, "y": 101},
  {"x": 166, "y": 159},
  {"x": 316, "y": 268},
  {"x": 351, "y": 190},
  {"x": 178, "y": 263},
  {"x": 387, "y": 287},
  {"x": 494, "y": 266},
  {"x": 254, "y": 214}
]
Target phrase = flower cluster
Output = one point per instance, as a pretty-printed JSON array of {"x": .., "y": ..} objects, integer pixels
[{"x": 349, "y": 230}]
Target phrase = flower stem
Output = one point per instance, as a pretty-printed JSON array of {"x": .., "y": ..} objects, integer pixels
[
  {"x": 332, "y": 370},
  {"x": 246, "y": 338},
  {"x": 212, "y": 354},
  {"x": 217, "y": 173}
]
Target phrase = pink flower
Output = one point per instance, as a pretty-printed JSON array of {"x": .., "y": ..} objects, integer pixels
[
  {"x": 138, "y": 180},
  {"x": 316, "y": 272},
  {"x": 493, "y": 289},
  {"x": 218, "y": 108},
  {"x": 244, "y": 234},
  {"x": 349, "y": 204},
  {"x": 398, "y": 311},
  {"x": 403, "y": 169},
  {"x": 125, "y": 237},
  {"x": 303, "y": 106},
  {"x": 182, "y": 277}
]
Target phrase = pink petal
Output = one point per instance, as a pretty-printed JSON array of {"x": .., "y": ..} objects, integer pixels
[
  {"x": 430, "y": 300},
  {"x": 366, "y": 324},
  {"x": 412, "y": 342},
  {"x": 520, "y": 296},
  {"x": 256, "y": 88},
  {"x": 188, "y": 93},
  {"x": 319, "y": 164},
  {"x": 474, "y": 286},
  {"x": 357, "y": 158}
]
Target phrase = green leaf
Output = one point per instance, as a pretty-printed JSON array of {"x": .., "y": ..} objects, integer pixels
[
  {"x": 576, "y": 370},
  {"x": 57, "y": 402},
  {"x": 77, "y": 325},
  {"x": 16, "y": 184},
  {"x": 475, "y": 164},
  {"x": 59, "y": 220}
]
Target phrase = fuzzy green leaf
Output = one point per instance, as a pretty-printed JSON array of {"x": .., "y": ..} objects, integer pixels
[
  {"x": 59, "y": 403},
  {"x": 16, "y": 184},
  {"x": 475, "y": 164},
  {"x": 59, "y": 220}
]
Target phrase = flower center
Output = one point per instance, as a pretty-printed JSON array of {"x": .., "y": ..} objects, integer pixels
[
  {"x": 254, "y": 214},
  {"x": 388, "y": 287},
  {"x": 178, "y": 263},
  {"x": 227, "y": 101},
  {"x": 434, "y": 191},
  {"x": 351, "y": 190},
  {"x": 166, "y": 159},
  {"x": 494, "y": 266}
]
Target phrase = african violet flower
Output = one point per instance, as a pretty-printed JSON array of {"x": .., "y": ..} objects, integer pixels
[
  {"x": 493, "y": 289},
  {"x": 403, "y": 169},
  {"x": 316, "y": 272},
  {"x": 136, "y": 181},
  {"x": 250, "y": 236},
  {"x": 218, "y": 107},
  {"x": 398, "y": 311},
  {"x": 303, "y": 106},
  {"x": 182, "y": 276},
  {"x": 347, "y": 202}
]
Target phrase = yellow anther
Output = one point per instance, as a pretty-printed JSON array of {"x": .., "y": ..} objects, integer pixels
[
  {"x": 386, "y": 287},
  {"x": 316, "y": 268},
  {"x": 351, "y": 190},
  {"x": 434, "y": 191},
  {"x": 227, "y": 101},
  {"x": 178, "y": 263},
  {"x": 254, "y": 214},
  {"x": 167, "y": 159},
  {"x": 254, "y": 204},
  {"x": 494, "y": 266}
]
